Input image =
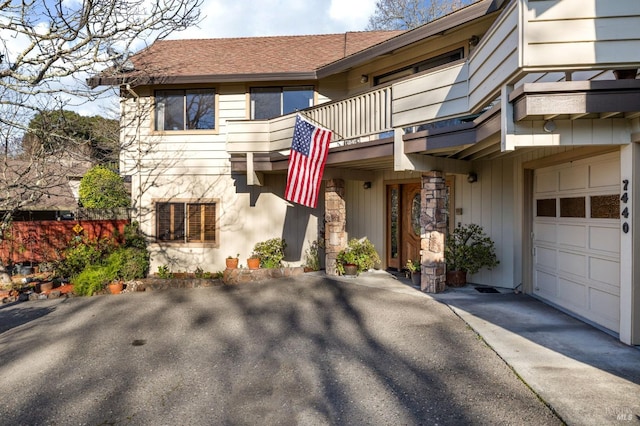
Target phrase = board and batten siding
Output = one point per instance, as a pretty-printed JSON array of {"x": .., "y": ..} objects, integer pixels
[
  {"x": 496, "y": 203},
  {"x": 489, "y": 202},
  {"x": 366, "y": 213}
]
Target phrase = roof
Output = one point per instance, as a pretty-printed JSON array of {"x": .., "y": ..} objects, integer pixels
[
  {"x": 302, "y": 57},
  {"x": 40, "y": 186},
  {"x": 226, "y": 59},
  {"x": 436, "y": 28}
]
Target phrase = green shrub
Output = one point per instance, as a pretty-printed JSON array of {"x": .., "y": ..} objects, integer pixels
[
  {"x": 133, "y": 236},
  {"x": 469, "y": 249},
  {"x": 102, "y": 188},
  {"x": 360, "y": 252},
  {"x": 164, "y": 272},
  {"x": 128, "y": 263},
  {"x": 92, "y": 280},
  {"x": 271, "y": 252},
  {"x": 125, "y": 263},
  {"x": 76, "y": 258}
]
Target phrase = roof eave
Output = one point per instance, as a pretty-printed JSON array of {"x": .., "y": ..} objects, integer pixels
[
  {"x": 198, "y": 79},
  {"x": 431, "y": 29}
]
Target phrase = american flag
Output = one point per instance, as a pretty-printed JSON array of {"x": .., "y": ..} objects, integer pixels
[{"x": 309, "y": 150}]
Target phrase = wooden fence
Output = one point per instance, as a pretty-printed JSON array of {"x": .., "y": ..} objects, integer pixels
[{"x": 44, "y": 241}]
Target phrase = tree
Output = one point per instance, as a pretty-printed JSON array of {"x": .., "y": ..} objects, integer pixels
[
  {"x": 103, "y": 188},
  {"x": 409, "y": 14},
  {"x": 94, "y": 139},
  {"x": 47, "y": 49}
]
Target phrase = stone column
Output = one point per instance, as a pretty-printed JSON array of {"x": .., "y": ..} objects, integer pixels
[
  {"x": 433, "y": 224},
  {"x": 335, "y": 223}
]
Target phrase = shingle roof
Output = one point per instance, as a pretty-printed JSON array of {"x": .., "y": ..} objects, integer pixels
[{"x": 250, "y": 55}]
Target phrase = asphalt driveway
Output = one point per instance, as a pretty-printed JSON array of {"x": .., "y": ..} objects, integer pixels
[{"x": 308, "y": 350}]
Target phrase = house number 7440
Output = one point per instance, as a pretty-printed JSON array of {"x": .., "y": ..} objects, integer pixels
[{"x": 625, "y": 200}]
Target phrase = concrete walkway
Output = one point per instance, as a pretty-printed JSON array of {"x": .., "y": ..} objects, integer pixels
[{"x": 585, "y": 375}]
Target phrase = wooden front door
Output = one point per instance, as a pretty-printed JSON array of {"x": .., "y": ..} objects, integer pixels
[{"x": 403, "y": 224}]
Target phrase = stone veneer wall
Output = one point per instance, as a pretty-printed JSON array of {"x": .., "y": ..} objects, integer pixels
[
  {"x": 335, "y": 223},
  {"x": 433, "y": 223}
]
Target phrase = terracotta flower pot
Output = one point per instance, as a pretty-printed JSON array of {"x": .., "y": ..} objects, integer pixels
[
  {"x": 416, "y": 278},
  {"x": 232, "y": 262},
  {"x": 46, "y": 286},
  {"x": 116, "y": 287},
  {"x": 350, "y": 269},
  {"x": 253, "y": 262},
  {"x": 456, "y": 278}
]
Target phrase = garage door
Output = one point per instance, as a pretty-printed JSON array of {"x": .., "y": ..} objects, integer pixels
[{"x": 576, "y": 238}]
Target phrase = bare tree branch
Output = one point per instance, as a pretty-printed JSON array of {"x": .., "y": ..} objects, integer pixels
[
  {"x": 47, "y": 49},
  {"x": 409, "y": 14}
]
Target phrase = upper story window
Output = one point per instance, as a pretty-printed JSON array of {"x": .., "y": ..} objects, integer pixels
[
  {"x": 185, "y": 109},
  {"x": 269, "y": 102},
  {"x": 434, "y": 62}
]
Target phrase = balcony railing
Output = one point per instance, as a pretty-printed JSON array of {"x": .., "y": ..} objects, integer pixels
[
  {"x": 351, "y": 120},
  {"x": 357, "y": 117}
]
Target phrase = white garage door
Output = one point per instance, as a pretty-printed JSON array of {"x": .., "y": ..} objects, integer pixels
[{"x": 576, "y": 238}]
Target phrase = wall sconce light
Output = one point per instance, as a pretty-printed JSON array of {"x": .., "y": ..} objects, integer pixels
[
  {"x": 366, "y": 185},
  {"x": 549, "y": 126},
  {"x": 474, "y": 40},
  {"x": 364, "y": 78},
  {"x": 472, "y": 177}
]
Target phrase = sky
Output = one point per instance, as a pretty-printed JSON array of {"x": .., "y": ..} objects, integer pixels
[{"x": 249, "y": 18}]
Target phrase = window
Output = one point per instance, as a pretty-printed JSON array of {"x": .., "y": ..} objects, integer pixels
[
  {"x": 605, "y": 206},
  {"x": 186, "y": 222},
  {"x": 269, "y": 102},
  {"x": 546, "y": 207},
  {"x": 420, "y": 66},
  {"x": 185, "y": 109},
  {"x": 572, "y": 207}
]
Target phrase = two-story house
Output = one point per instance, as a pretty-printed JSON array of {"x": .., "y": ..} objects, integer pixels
[{"x": 522, "y": 116}]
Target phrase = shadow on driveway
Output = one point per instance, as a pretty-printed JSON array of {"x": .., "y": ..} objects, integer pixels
[
  {"x": 18, "y": 313},
  {"x": 309, "y": 350}
]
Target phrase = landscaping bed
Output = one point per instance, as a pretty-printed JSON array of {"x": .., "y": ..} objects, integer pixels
[{"x": 37, "y": 287}]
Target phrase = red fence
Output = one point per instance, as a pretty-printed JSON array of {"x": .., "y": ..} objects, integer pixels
[{"x": 44, "y": 241}]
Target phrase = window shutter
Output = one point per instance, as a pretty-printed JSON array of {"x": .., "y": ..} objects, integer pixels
[
  {"x": 194, "y": 225},
  {"x": 178, "y": 221},
  {"x": 209, "y": 222}
]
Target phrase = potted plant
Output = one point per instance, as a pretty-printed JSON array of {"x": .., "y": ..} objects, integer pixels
[
  {"x": 312, "y": 257},
  {"x": 253, "y": 262},
  {"x": 414, "y": 268},
  {"x": 270, "y": 252},
  {"x": 468, "y": 249},
  {"x": 232, "y": 262},
  {"x": 359, "y": 253},
  {"x": 346, "y": 263},
  {"x": 116, "y": 287}
]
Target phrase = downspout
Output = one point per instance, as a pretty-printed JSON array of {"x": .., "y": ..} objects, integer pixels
[{"x": 139, "y": 154}]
